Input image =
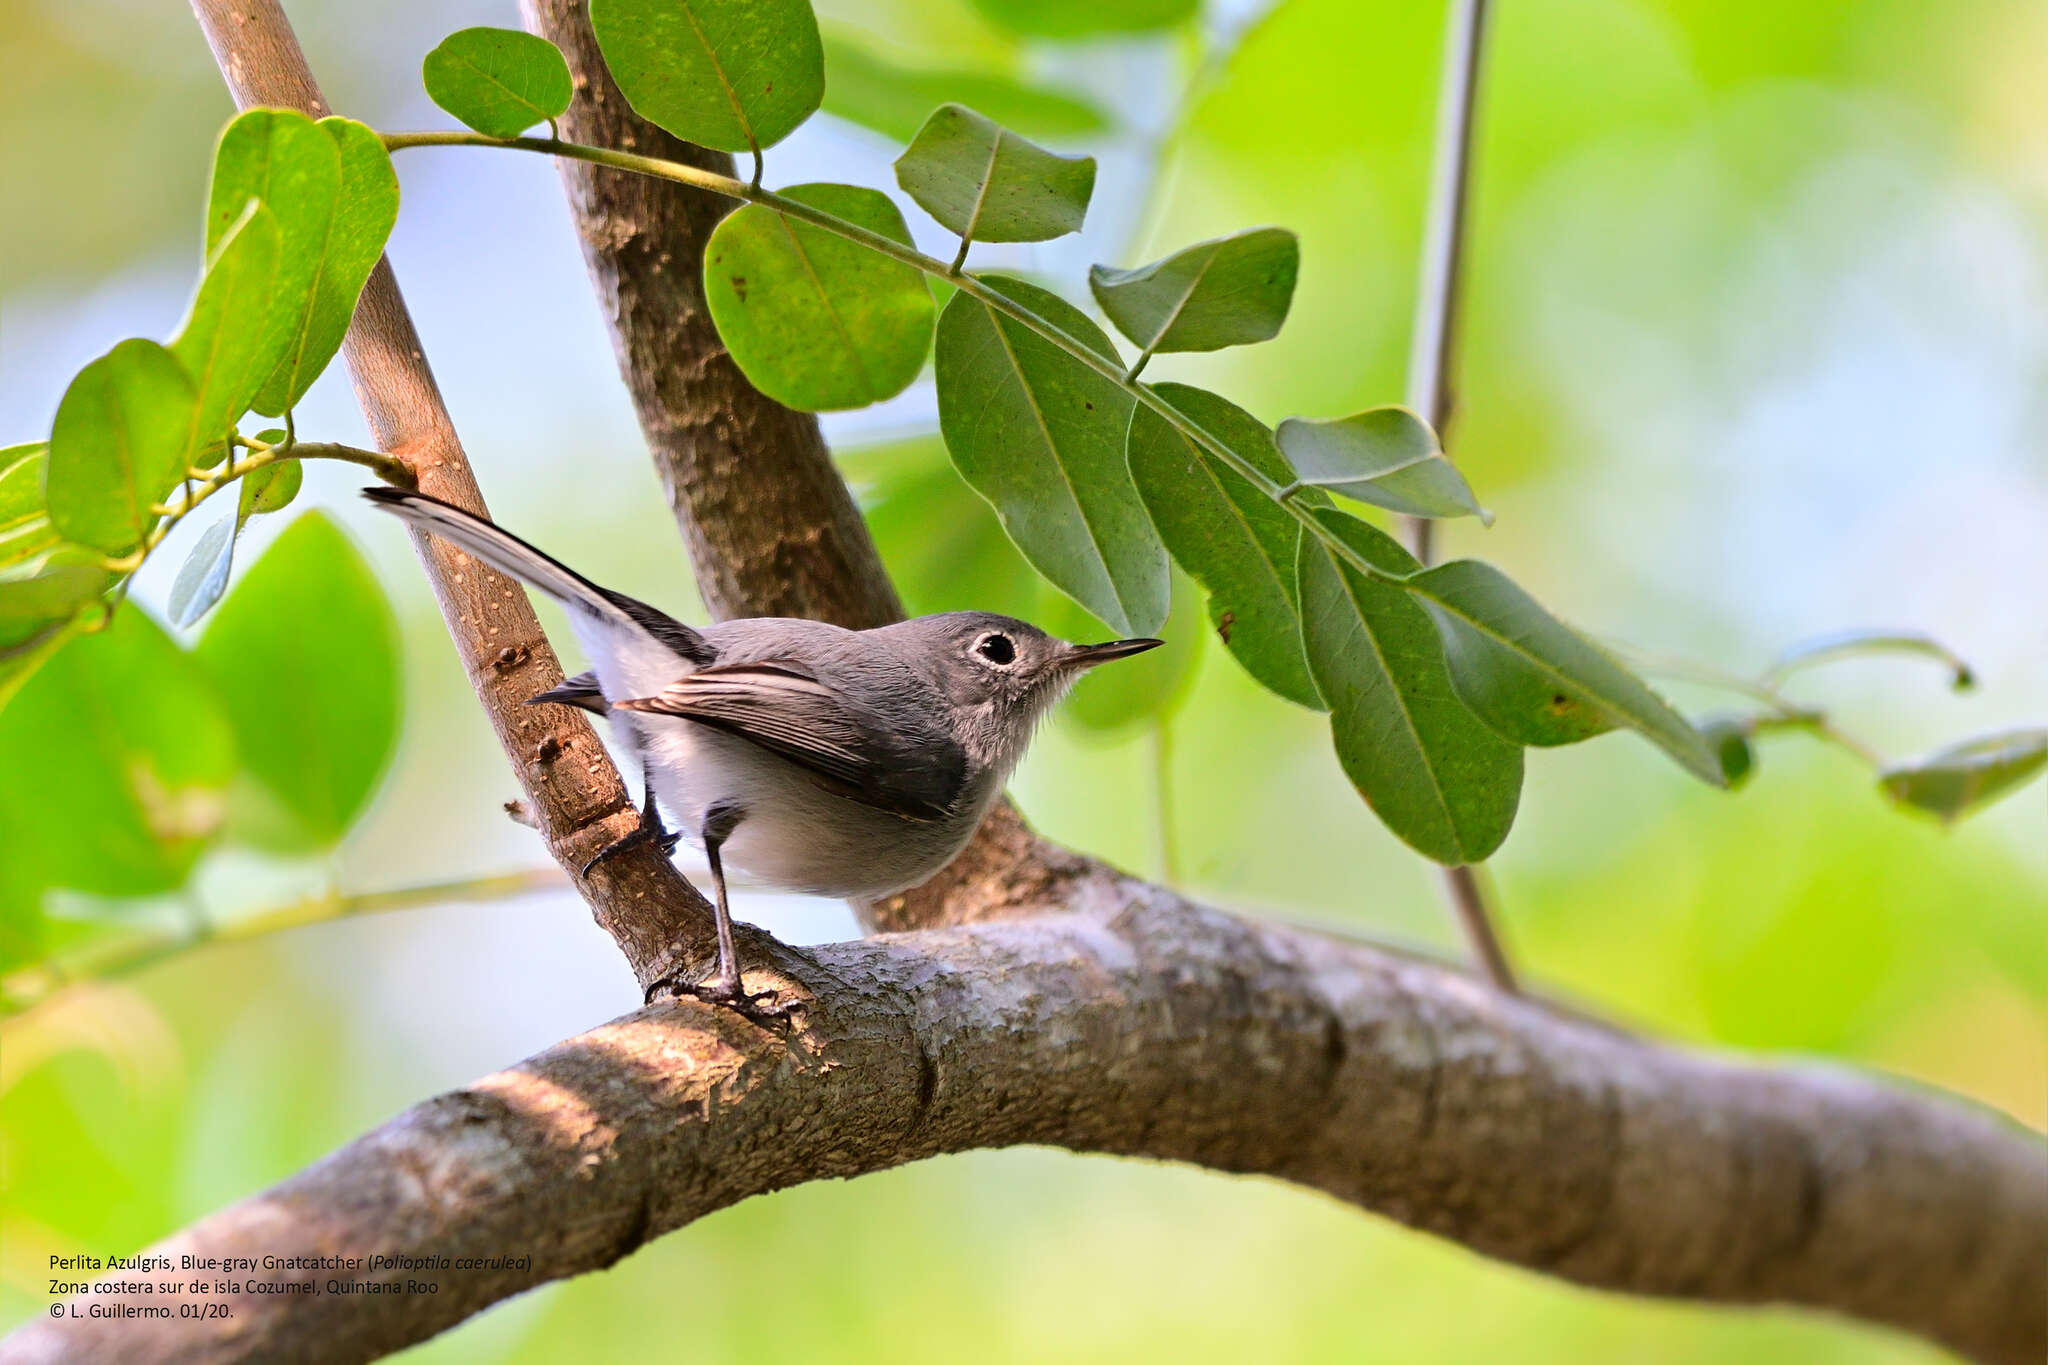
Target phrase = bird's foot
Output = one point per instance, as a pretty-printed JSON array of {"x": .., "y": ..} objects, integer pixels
[
  {"x": 759, "y": 1006},
  {"x": 646, "y": 832}
]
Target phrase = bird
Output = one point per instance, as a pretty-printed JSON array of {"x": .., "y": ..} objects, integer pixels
[{"x": 844, "y": 763}]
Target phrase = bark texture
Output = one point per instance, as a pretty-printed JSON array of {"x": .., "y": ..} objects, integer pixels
[
  {"x": 770, "y": 525},
  {"x": 1136, "y": 1023},
  {"x": 571, "y": 785},
  {"x": 1090, "y": 1011}
]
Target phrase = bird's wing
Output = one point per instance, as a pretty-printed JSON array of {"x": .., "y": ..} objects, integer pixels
[{"x": 786, "y": 709}]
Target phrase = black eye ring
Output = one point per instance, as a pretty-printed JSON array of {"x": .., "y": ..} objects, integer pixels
[{"x": 997, "y": 649}]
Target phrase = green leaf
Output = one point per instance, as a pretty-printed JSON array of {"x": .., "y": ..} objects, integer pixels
[
  {"x": 499, "y": 81},
  {"x": 1968, "y": 776},
  {"x": 1428, "y": 767},
  {"x": 816, "y": 321},
  {"x": 306, "y": 650},
  {"x": 987, "y": 184},
  {"x": 1228, "y": 292},
  {"x": 365, "y": 208},
  {"x": 1041, "y": 436},
  {"x": 1237, "y": 542},
  {"x": 25, "y": 529},
  {"x": 1087, "y": 18},
  {"x": 203, "y": 577},
  {"x": 47, "y": 592},
  {"x": 118, "y": 761},
  {"x": 20, "y": 660},
  {"x": 737, "y": 75},
  {"x": 118, "y": 445},
  {"x": 864, "y": 87},
  {"x": 1386, "y": 456},
  {"x": 224, "y": 345},
  {"x": 1538, "y": 681},
  {"x": 282, "y": 158},
  {"x": 271, "y": 487}
]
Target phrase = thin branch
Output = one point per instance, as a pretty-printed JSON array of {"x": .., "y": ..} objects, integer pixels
[
  {"x": 1108, "y": 367},
  {"x": 1431, "y": 358},
  {"x": 1139, "y": 1024},
  {"x": 570, "y": 783},
  {"x": 34, "y": 986}
]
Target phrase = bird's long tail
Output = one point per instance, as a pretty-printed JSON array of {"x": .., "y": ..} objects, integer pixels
[{"x": 509, "y": 554}]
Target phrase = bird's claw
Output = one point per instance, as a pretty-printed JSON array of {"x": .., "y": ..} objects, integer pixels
[{"x": 644, "y": 833}]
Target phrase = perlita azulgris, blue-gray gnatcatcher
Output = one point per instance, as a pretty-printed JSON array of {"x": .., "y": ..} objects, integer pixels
[{"x": 846, "y": 763}]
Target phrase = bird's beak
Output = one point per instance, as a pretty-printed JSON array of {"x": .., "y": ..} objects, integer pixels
[{"x": 1087, "y": 656}]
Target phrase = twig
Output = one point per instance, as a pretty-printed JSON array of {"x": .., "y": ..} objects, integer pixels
[
  {"x": 658, "y": 918},
  {"x": 1431, "y": 358}
]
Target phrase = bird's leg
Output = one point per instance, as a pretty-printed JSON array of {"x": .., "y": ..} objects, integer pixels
[
  {"x": 648, "y": 831},
  {"x": 727, "y": 986},
  {"x": 719, "y": 823}
]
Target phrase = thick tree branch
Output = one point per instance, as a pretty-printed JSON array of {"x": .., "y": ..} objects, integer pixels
[
  {"x": 570, "y": 782},
  {"x": 771, "y": 528},
  {"x": 1139, "y": 1024}
]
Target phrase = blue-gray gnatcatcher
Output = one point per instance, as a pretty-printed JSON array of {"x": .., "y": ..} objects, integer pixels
[{"x": 848, "y": 763}]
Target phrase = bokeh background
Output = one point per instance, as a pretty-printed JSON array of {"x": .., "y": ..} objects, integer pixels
[{"x": 1756, "y": 348}]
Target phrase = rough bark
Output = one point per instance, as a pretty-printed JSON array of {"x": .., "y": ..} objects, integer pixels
[
  {"x": 1136, "y": 1023},
  {"x": 770, "y": 525},
  {"x": 572, "y": 787},
  {"x": 771, "y": 528},
  {"x": 1117, "y": 1018}
]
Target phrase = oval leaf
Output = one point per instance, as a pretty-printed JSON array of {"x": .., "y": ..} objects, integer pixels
[
  {"x": 1237, "y": 542},
  {"x": 816, "y": 321},
  {"x": 1437, "y": 776},
  {"x": 118, "y": 762},
  {"x": 365, "y": 208},
  {"x": 864, "y": 87},
  {"x": 203, "y": 577},
  {"x": 1535, "y": 679},
  {"x": 1229, "y": 292},
  {"x": 1965, "y": 777},
  {"x": 1041, "y": 436},
  {"x": 989, "y": 185},
  {"x": 306, "y": 650},
  {"x": 1386, "y": 456},
  {"x": 223, "y": 343},
  {"x": 118, "y": 446},
  {"x": 271, "y": 487},
  {"x": 737, "y": 75},
  {"x": 25, "y": 529},
  {"x": 1087, "y": 18},
  {"x": 282, "y": 158},
  {"x": 499, "y": 81}
]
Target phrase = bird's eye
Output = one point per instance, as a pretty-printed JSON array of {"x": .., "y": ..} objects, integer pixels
[{"x": 997, "y": 649}]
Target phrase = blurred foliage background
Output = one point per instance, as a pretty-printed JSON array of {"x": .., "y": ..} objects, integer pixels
[{"x": 1756, "y": 347}]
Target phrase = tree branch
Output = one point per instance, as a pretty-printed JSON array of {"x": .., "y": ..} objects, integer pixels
[
  {"x": 1432, "y": 351},
  {"x": 570, "y": 782},
  {"x": 771, "y": 528},
  {"x": 1142, "y": 1025}
]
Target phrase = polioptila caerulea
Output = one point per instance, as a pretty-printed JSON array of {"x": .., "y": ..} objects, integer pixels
[{"x": 848, "y": 763}]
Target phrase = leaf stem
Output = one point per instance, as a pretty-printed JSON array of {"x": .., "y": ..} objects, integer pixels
[
  {"x": 30, "y": 986},
  {"x": 1108, "y": 367},
  {"x": 262, "y": 453}
]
